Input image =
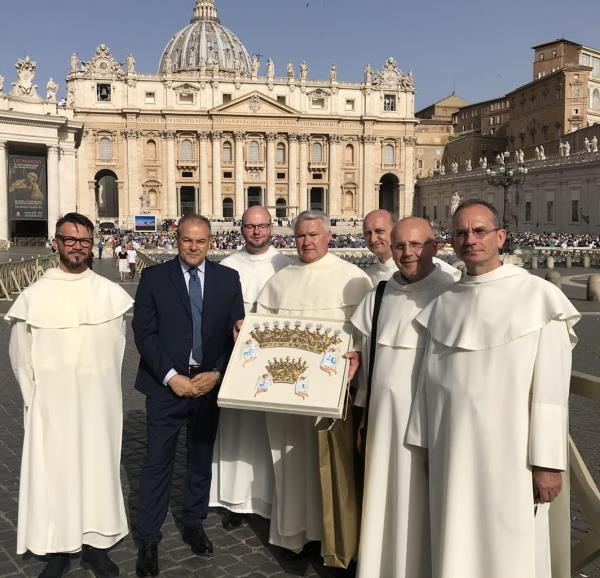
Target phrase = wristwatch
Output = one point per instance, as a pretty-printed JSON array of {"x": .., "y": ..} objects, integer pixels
[{"x": 218, "y": 374}]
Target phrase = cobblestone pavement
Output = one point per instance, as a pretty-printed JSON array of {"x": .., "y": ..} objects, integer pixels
[{"x": 245, "y": 551}]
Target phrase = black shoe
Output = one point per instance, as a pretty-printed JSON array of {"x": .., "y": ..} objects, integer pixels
[
  {"x": 97, "y": 560},
  {"x": 147, "y": 560},
  {"x": 198, "y": 540},
  {"x": 58, "y": 565},
  {"x": 231, "y": 521}
]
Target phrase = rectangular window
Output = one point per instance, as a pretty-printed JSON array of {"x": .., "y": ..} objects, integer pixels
[
  {"x": 528, "y": 211},
  {"x": 550, "y": 211},
  {"x": 226, "y": 98},
  {"x": 186, "y": 98},
  {"x": 389, "y": 103},
  {"x": 585, "y": 60},
  {"x": 281, "y": 176},
  {"x": 228, "y": 175},
  {"x": 318, "y": 103},
  {"x": 187, "y": 174},
  {"x": 575, "y": 211},
  {"x": 150, "y": 98},
  {"x": 317, "y": 177},
  {"x": 576, "y": 111},
  {"x": 435, "y": 216},
  {"x": 424, "y": 214},
  {"x": 576, "y": 90},
  {"x": 104, "y": 92},
  {"x": 350, "y": 104},
  {"x": 420, "y": 163},
  {"x": 281, "y": 99},
  {"x": 541, "y": 57}
]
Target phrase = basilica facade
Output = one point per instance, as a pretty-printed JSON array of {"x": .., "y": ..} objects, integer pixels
[{"x": 215, "y": 131}]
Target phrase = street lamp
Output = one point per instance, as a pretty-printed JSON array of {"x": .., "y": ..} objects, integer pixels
[{"x": 505, "y": 177}]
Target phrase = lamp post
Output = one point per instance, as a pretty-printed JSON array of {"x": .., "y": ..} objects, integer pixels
[{"x": 505, "y": 177}]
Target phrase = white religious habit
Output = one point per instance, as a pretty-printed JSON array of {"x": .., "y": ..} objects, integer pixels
[
  {"x": 394, "y": 540},
  {"x": 66, "y": 350},
  {"x": 242, "y": 471},
  {"x": 383, "y": 271},
  {"x": 329, "y": 288},
  {"x": 492, "y": 403}
]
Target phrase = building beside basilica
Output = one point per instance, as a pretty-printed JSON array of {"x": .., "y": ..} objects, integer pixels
[{"x": 215, "y": 131}]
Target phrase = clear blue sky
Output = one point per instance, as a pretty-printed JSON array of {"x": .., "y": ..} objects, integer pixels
[{"x": 480, "y": 49}]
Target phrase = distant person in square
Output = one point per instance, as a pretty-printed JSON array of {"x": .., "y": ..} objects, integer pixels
[{"x": 66, "y": 350}]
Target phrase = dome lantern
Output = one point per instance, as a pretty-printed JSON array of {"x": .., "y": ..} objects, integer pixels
[{"x": 205, "y": 10}]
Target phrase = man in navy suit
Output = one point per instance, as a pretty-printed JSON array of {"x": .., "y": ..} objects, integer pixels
[{"x": 184, "y": 316}]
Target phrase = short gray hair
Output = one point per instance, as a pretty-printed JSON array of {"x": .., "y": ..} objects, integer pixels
[
  {"x": 192, "y": 218},
  {"x": 312, "y": 215}
]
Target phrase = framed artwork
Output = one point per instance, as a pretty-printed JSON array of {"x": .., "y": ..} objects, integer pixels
[{"x": 288, "y": 365}]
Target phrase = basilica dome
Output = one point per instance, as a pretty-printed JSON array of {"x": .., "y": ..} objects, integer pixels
[{"x": 204, "y": 42}]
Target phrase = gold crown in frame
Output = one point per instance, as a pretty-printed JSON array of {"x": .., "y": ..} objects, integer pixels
[
  {"x": 286, "y": 370},
  {"x": 309, "y": 337}
]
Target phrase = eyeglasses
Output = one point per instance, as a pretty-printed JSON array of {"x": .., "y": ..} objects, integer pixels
[
  {"x": 85, "y": 242},
  {"x": 478, "y": 233},
  {"x": 260, "y": 226},
  {"x": 412, "y": 245}
]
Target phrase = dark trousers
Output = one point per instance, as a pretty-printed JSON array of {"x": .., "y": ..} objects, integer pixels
[{"x": 163, "y": 423}]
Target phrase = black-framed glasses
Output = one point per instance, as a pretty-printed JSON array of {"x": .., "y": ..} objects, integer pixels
[
  {"x": 412, "y": 245},
  {"x": 478, "y": 233},
  {"x": 260, "y": 226},
  {"x": 85, "y": 242}
]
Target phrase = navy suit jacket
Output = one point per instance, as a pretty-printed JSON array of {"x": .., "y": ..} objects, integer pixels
[{"x": 162, "y": 323}]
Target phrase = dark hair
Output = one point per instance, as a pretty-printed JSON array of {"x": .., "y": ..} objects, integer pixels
[
  {"x": 474, "y": 202},
  {"x": 188, "y": 218},
  {"x": 76, "y": 219}
]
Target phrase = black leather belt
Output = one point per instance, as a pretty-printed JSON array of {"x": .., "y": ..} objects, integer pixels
[{"x": 194, "y": 370}]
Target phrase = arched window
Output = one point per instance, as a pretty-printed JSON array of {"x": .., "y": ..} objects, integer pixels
[
  {"x": 227, "y": 152},
  {"x": 105, "y": 149},
  {"x": 596, "y": 98},
  {"x": 317, "y": 152},
  {"x": 349, "y": 155},
  {"x": 388, "y": 154},
  {"x": 254, "y": 151},
  {"x": 280, "y": 158},
  {"x": 151, "y": 150},
  {"x": 186, "y": 150},
  {"x": 280, "y": 209},
  {"x": 228, "y": 208}
]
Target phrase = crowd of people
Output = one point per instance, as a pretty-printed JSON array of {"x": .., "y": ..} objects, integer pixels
[{"x": 458, "y": 383}]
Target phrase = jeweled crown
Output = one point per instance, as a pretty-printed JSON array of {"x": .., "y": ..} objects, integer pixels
[
  {"x": 286, "y": 370},
  {"x": 311, "y": 337}
]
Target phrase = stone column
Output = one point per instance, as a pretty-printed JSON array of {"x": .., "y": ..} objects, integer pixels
[
  {"x": 4, "y": 230},
  {"x": 292, "y": 173},
  {"x": 407, "y": 171},
  {"x": 271, "y": 172},
  {"x": 172, "y": 201},
  {"x": 205, "y": 199},
  {"x": 334, "y": 194},
  {"x": 217, "y": 204},
  {"x": 53, "y": 185},
  {"x": 133, "y": 202},
  {"x": 368, "y": 149},
  {"x": 239, "y": 174},
  {"x": 303, "y": 205}
]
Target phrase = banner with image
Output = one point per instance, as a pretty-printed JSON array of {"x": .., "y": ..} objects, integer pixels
[{"x": 27, "y": 188}]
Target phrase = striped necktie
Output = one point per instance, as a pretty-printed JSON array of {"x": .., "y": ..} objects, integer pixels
[{"x": 196, "y": 303}]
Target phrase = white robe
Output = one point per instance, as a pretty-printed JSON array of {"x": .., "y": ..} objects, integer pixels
[
  {"x": 66, "y": 351},
  {"x": 242, "y": 470},
  {"x": 492, "y": 403},
  {"x": 394, "y": 540},
  {"x": 329, "y": 288}
]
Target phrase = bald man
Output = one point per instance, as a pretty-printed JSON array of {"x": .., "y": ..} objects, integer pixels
[
  {"x": 394, "y": 540},
  {"x": 377, "y": 227},
  {"x": 242, "y": 480}
]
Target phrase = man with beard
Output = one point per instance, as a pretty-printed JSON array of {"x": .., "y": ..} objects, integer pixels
[
  {"x": 66, "y": 350},
  {"x": 242, "y": 469}
]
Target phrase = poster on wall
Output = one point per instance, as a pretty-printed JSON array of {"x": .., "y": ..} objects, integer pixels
[
  {"x": 27, "y": 188},
  {"x": 288, "y": 365}
]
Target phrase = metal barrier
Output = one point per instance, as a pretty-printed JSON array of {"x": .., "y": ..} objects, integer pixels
[
  {"x": 15, "y": 276},
  {"x": 583, "y": 484}
]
